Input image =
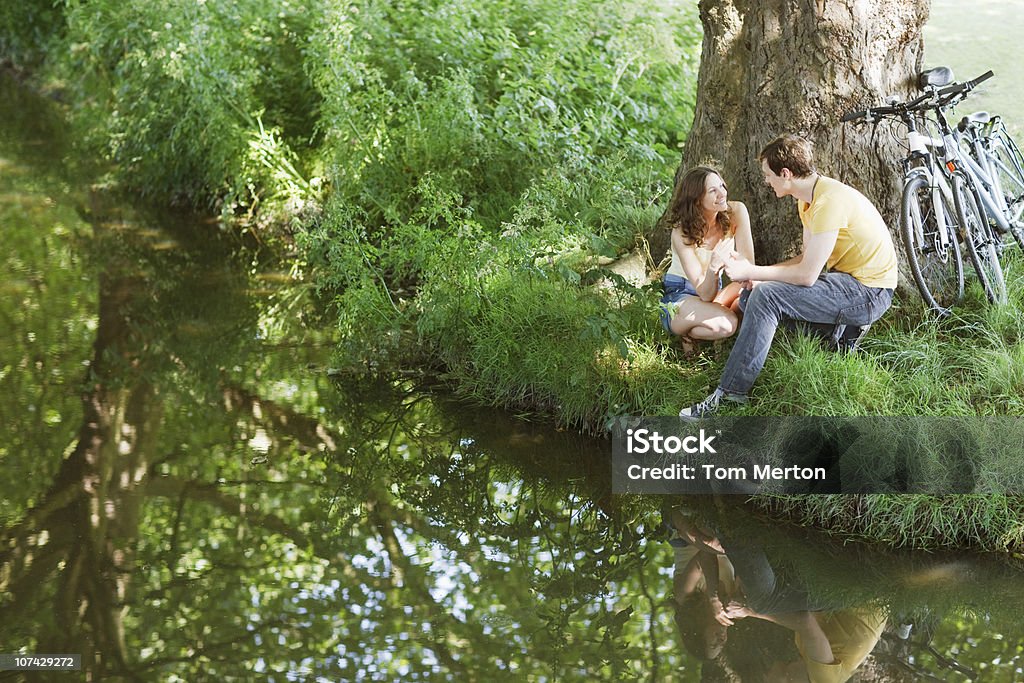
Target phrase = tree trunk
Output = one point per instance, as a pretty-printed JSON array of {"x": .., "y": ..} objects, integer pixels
[{"x": 796, "y": 66}]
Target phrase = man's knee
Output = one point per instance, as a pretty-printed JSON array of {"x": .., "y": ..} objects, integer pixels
[{"x": 765, "y": 293}]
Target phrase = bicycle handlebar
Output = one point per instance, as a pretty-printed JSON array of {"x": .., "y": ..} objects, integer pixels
[
  {"x": 948, "y": 94},
  {"x": 957, "y": 88}
]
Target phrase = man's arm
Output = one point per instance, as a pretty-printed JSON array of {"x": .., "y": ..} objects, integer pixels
[
  {"x": 814, "y": 640},
  {"x": 802, "y": 270}
]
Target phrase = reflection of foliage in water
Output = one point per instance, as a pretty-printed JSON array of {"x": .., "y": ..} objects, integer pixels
[
  {"x": 505, "y": 562},
  {"x": 272, "y": 519}
]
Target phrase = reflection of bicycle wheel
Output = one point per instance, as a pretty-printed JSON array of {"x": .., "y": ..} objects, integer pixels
[
  {"x": 932, "y": 248},
  {"x": 979, "y": 239}
]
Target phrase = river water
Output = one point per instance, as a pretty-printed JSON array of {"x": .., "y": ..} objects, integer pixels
[{"x": 191, "y": 493}]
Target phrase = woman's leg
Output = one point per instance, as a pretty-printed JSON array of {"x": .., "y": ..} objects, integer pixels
[
  {"x": 729, "y": 295},
  {"x": 703, "y": 320}
]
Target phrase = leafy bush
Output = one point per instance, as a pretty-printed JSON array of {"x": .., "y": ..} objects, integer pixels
[
  {"x": 497, "y": 102},
  {"x": 28, "y": 29},
  {"x": 189, "y": 99}
]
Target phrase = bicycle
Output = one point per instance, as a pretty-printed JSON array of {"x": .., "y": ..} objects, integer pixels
[
  {"x": 981, "y": 208},
  {"x": 991, "y": 146},
  {"x": 942, "y": 196}
]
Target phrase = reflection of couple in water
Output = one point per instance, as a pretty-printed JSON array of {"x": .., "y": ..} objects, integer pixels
[{"x": 718, "y": 582}]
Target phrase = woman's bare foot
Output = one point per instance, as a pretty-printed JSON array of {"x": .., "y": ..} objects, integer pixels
[{"x": 691, "y": 347}]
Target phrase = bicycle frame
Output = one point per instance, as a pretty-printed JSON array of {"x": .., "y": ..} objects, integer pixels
[
  {"x": 986, "y": 180},
  {"x": 937, "y": 182},
  {"x": 993, "y": 137}
]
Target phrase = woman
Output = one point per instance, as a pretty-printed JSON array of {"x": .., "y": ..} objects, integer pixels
[
  {"x": 706, "y": 230},
  {"x": 699, "y": 612}
]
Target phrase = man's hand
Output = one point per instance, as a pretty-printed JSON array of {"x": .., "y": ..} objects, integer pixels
[
  {"x": 738, "y": 268},
  {"x": 737, "y": 610}
]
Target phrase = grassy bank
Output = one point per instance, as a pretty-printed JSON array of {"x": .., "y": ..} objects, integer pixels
[{"x": 539, "y": 342}]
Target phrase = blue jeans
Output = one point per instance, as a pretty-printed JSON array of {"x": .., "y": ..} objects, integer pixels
[
  {"x": 835, "y": 298},
  {"x": 765, "y": 591},
  {"x": 676, "y": 289}
]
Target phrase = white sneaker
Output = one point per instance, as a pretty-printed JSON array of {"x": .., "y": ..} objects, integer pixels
[{"x": 709, "y": 406}]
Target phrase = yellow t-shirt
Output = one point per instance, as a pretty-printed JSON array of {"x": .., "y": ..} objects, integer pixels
[
  {"x": 852, "y": 633},
  {"x": 864, "y": 248}
]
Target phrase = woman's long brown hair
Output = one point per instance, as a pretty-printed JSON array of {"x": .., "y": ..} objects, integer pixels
[{"x": 684, "y": 211}]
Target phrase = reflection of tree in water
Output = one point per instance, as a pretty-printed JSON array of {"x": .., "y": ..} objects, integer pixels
[
  {"x": 205, "y": 523},
  {"x": 77, "y": 544}
]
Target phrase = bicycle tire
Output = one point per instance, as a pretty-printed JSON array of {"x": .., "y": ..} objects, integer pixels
[
  {"x": 979, "y": 239},
  {"x": 935, "y": 262},
  {"x": 1009, "y": 166}
]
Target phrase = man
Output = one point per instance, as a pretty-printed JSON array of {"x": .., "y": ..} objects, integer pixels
[
  {"x": 832, "y": 645},
  {"x": 843, "y": 230}
]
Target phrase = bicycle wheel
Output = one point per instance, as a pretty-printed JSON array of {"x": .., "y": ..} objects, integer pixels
[
  {"x": 979, "y": 238},
  {"x": 932, "y": 248},
  {"x": 1009, "y": 168}
]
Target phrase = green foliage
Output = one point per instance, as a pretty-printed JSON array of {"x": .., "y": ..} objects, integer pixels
[
  {"x": 253, "y": 100},
  {"x": 190, "y": 99},
  {"x": 487, "y": 96},
  {"x": 28, "y": 29}
]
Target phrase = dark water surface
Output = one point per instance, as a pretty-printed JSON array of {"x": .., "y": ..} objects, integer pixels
[{"x": 188, "y": 494}]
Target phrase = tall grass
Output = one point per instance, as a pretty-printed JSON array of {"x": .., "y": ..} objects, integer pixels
[{"x": 990, "y": 523}]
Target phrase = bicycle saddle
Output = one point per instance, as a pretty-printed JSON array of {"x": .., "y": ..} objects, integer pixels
[
  {"x": 937, "y": 77},
  {"x": 976, "y": 117}
]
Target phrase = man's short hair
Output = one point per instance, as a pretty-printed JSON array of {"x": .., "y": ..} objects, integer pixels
[{"x": 789, "y": 151}]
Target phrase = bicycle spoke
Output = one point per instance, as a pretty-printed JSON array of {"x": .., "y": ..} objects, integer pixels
[
  {"x": 932, "y": 249},
  {"x": 980, "y": 239}
]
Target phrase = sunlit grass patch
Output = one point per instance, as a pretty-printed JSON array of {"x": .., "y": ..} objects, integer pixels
[{"x": 803, "y": 378}]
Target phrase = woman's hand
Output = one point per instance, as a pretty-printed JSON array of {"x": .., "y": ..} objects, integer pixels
[
  {"x": 720, "y": 612},
  {"x": 722, "y": 252}
]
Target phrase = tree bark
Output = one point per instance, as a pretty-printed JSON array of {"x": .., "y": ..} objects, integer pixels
[{"x": 796, "y": 66}]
